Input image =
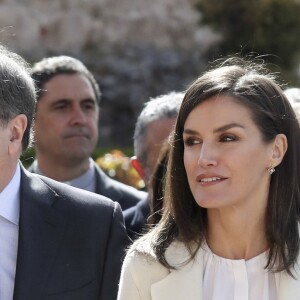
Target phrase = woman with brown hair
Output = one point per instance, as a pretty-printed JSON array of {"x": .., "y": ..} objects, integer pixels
[{"x": 229, "y": 228}]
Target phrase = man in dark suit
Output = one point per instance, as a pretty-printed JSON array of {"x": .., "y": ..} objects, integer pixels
[
  {"x": 152, "y": 128},
  {"x": 66, "y": 129},
  {"x": 56, "y": 241}
]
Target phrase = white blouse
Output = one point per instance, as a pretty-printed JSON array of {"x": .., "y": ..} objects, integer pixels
[{"x": 241, "y": 279}]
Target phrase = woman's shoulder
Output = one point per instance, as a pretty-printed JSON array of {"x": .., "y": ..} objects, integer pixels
[
  {"x": 142, "y": 250},
  {"x": 141, "y": 262},
  {"x": 143, "y": 247}
]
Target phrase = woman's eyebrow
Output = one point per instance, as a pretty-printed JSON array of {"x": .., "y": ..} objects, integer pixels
[
  {"x": 228, "y": 126},
  {"x": 190, "y": 131},
  {"x": 219, "y": 129}
]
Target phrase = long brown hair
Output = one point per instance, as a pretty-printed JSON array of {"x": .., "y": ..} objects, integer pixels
[
  {"x": 157, "y": 185},
  {"x": 252, "y": 86}
]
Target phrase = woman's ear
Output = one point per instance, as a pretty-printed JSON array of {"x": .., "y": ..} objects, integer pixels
[{"x": 279, "y": 148}]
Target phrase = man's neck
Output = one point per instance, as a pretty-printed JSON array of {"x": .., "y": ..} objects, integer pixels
[{"x": 62, "y": 172}]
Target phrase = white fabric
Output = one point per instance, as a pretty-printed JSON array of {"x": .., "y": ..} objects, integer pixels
[
  {"x": 144, "y": 278},
  {"x": 241, "y": 279},
  {"x": 9, "y": 230}
]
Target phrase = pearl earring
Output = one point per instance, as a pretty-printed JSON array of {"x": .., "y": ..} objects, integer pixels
[{"x": 271, "y": 170}]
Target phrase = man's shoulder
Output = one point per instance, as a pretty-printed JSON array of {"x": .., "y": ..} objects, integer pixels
[
  {"x": 135, "y": 218},
  {"x": 125, "y": 194},
  {"x": 140, "y": 210},
  {"x": 86, "y": 212},
  {"x": 48, "y": 187}
]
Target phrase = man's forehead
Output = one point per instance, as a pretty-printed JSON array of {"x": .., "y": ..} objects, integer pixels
[{"x": 75, "y": 86}]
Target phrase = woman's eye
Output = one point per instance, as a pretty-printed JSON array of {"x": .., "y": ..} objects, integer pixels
[
  {"x": 191, "y": 141},
  {"x": 228, "y": 138}
]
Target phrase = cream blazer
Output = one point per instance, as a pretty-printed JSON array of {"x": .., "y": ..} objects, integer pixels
[{"x": 143, "y": 278}]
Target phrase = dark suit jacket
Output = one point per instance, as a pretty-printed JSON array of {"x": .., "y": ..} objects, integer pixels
[
  {"x": 125, "y": 195},
  {"x": 71, "y": 243},
  {"x": 135, "y": 218}
]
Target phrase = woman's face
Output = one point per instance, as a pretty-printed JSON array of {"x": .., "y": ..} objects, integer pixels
[{"x": 225, "y": 158}]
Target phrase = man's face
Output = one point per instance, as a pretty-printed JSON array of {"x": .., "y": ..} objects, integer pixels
[{"x": 66, "y": 125}]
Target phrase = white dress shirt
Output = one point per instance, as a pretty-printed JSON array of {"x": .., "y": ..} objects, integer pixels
[
  {"x": 9, "y": 230},
  {"x": 237, "y": 279}
]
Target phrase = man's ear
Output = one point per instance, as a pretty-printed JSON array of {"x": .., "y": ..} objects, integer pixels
[
  {"x": 138, "y": 167},
  {"x": 17, "y": 127},
  {"x": 279, "y": 149}
]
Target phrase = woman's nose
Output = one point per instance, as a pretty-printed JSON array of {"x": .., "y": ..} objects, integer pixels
[{"x": 207, "y": 156}]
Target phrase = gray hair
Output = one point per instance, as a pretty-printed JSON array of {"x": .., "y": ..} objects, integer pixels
[
  {"x": 49, "y": 67},
  {"x": 17, "y": 92},
  {"x": 158, "y": 108}
]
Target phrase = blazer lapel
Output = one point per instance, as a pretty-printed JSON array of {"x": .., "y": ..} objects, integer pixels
[
  {"x": 40, "y": 233},
  {"x": 185, "y": 282}
]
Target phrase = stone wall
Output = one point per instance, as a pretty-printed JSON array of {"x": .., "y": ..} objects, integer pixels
[{"x": 136, "y": 48}]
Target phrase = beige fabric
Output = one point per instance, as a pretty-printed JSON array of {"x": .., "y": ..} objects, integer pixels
[{"x": 143, "y": 278}]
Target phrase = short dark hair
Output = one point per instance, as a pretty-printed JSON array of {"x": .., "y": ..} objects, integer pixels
[
  {"x": 49, "y": 67},
  {"x": 251, "y": 85},
  {"x": 17, "y": 92}
]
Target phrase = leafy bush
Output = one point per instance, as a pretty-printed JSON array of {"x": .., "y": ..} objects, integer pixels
[{"x": 260, "y": 26}]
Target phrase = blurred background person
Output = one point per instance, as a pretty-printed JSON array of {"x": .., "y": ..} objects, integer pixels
[
  {"x": 152, "y": 129},
  {"x": 66, "y": 129},
  {"x": 230, "y": 224}
]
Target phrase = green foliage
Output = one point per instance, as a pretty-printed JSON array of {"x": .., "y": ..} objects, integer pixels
[
  {"x": 259, "y": 26},
  {"x": 27, "y": 157}
]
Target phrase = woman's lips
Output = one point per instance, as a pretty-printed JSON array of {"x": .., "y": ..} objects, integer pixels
[{"x": 209, "y": 179}]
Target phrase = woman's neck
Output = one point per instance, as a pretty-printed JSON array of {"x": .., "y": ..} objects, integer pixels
[{"x": 234, "y": 235}]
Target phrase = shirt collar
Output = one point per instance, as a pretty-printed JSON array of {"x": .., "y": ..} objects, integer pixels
[
  {"x": 84, "y": 180},
  {"x": 10, "y": 199}
]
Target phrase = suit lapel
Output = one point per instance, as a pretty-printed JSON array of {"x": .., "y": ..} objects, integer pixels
[
  {"x": 40, "y": 233},
  {"x": 185, "y": 282}
]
